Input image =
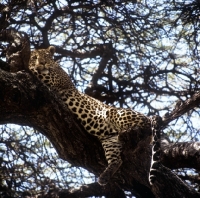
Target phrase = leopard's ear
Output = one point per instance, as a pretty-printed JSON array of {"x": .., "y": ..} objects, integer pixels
[{"x": 52, "y": 49}]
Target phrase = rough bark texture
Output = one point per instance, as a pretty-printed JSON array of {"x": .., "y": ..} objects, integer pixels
[
  {"x": 169, "y": 185},
  {"x": 25, "y": 101},
  {"x": 181, "y": 155}
]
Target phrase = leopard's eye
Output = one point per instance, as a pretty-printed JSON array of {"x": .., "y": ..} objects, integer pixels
[{"x": 34, "y": 56}]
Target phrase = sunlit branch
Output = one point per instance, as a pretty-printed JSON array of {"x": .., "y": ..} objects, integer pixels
[{"x": 181, "y": 108}]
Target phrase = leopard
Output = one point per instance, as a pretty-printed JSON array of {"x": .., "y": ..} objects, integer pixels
[{"x": 97, "y": 118}]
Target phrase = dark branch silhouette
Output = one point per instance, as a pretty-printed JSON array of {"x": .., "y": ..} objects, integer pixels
[{"x": 135, "y": 67}]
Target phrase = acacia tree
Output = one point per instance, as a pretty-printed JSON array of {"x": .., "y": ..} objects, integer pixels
[{"x": 140, "y": 55}]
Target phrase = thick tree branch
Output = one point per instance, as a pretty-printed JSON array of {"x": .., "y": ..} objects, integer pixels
[
  {"x": 18, "y": 51},
  {"x": 93, "y": 190},
  {"x": 181, "y": 155},
  {"x": 25, "y": 101},
  {"x": 171, "y": 182}
]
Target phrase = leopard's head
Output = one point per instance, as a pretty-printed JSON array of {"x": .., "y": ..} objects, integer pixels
[
  {"x": 47, "y": 70},
  {"x": 42, "y": 59}
]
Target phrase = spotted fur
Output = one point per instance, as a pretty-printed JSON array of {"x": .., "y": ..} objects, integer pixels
[
  {"x": 98, "y": 119},
  {"x": 156, "y": 122}
]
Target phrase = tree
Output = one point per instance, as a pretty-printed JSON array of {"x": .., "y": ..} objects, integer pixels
[{"x": 129, "y": 54}]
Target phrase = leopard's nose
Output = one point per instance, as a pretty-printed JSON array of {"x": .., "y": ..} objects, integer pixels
[{"x": 43, "y": 62}]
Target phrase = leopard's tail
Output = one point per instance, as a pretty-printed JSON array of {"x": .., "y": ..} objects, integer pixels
[{"x": 155, "y": 159}]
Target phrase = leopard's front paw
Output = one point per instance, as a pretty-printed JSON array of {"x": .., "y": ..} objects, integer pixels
[{"x": 103, "y": 179}]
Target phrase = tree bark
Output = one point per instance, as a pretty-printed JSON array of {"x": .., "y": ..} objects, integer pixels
[
  {"x": 181, "y": 155},
  {"x": 25, "y": 101}
]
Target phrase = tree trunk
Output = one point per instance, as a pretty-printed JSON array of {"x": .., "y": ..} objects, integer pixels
[{"x": 25, "y": 101}]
